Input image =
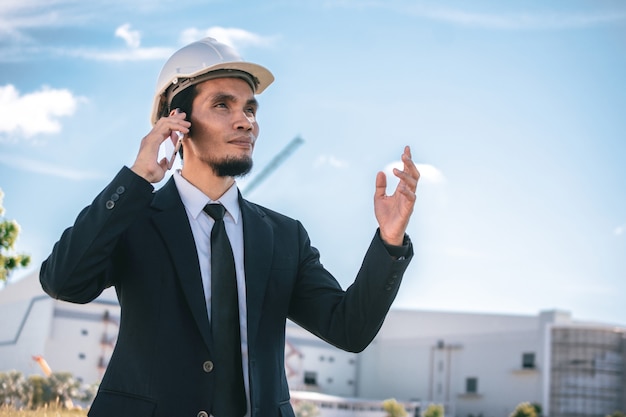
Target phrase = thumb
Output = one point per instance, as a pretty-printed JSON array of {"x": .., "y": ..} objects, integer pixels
[{"x": 381, "y": 184}]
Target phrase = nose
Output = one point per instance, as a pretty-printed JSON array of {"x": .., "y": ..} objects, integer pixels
[{"x": 245, "y": 122}]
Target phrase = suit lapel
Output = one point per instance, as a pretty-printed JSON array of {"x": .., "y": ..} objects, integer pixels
[
  {"x": 258, "y": 237},
  {"x": 171, "y": 221}
]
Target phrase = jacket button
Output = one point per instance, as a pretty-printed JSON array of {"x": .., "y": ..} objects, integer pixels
[
  {"x": 115, "y": 197},
  {"x": 120, "y": 189},
  {"x": 203, "y": 414},
  {"x": 207, "y": 366},
  {"x": 110, "y": 204}
]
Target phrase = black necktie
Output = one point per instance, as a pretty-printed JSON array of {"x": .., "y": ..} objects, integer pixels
[{"x": 229, "y": 398}]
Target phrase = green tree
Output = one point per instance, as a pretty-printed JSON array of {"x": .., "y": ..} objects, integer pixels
[
  {"x": 64, "y": 388},
  {"x": 12, "y": 385},
  {"x": 9, "y": 231},
  {"x": 306, "y": 409},
  {"x": 394, "y": 408},
  {"x": 616, "y": 413},
  {"x": 57, "y": 391},
  {"x": 524, "y": 410},
  {"x": 38, "y": 392},
  {"x": 434, "y": 410}
]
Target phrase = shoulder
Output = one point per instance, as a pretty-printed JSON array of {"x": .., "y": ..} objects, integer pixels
[
  {"x": 251, "y": 208},
  {"x": 255, "y": 214}
]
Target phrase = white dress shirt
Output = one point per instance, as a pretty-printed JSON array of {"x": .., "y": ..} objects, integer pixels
[{"x": 201, "y": 224}]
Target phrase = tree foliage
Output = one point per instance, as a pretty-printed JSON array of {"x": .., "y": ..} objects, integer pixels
[
  {"x": 60, "y": 389},
  {"x": 434, "y": 410},
  {"x": 9, "y": 231},
  {"x": 306, "y": 409},
  {"x": 394, "y": 408},
  {"x": 12, "y": 388},
  {"x": 524, "y": 409}
]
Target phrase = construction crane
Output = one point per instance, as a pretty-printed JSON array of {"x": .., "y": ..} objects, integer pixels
[
  {"x": 43, "y": 364},
  {"x": 272, "y": 165}
]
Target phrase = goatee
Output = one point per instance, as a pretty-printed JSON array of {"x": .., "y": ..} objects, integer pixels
[{"x": 232, "y": 167}]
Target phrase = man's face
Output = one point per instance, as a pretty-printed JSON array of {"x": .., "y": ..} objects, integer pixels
[{"x": 224, "y": 127}]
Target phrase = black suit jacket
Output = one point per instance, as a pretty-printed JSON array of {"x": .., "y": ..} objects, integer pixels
[{"x": 140, "y": 242}]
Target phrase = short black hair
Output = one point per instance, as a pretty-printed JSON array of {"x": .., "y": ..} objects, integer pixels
[{"x": 183, "y": 101}]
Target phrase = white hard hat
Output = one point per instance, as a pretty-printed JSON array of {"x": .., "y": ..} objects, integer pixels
[{"x": 200, "y": 61}]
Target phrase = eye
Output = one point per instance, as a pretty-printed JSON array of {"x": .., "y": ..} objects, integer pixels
[
  {"x": 221, "y": 105},
  {"x": 251, "y": 110}
]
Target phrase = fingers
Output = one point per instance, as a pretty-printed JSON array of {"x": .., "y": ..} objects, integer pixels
[
  {"x": 175, "y": 122},
  {"x": 164, "y": 129},
  {"x": 393, "y": 212},
  {"x": 381, "y": 184},
  {"x": 410, "y": 175},
  {"x": 146, "y": 164}
]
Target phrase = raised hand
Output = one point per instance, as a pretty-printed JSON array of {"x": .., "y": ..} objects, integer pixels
[
  {"x": 146, "y": 164},
  {"x": 394, "y": 211}
]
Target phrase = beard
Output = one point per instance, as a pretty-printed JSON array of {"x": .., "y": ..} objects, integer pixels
[{"x": 232, "y": 167}]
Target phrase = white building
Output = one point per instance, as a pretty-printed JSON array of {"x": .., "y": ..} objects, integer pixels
[
  {"x": 486, "y": 364},
  {"x": 70, "y": 337},
  {"x": 474, "y": 364}
]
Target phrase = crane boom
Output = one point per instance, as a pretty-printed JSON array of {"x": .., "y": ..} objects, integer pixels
[{"x": 273, "y": 164}]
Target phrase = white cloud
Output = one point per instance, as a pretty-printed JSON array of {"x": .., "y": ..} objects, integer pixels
[
  {"x": 237, "y": 38},
  {"x": 18, "y": 16},
  {"x": 516, "y": 21},
  {"x": 40, "y": 167},
  {"x": 131, "y": 37},
  {"x": 428, "y": 173},
  {"x": 329, "y": 160},
  {"x": 34, "y": 113},
  {"x": 134, "y": 54}
]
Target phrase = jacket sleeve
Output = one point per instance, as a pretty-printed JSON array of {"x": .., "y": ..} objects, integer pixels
[
  {"x": 79, "y": 267},
  {"x": 348, "y": 319}
]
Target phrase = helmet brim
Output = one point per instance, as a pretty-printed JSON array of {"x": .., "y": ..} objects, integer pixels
[{"x": 262, "y": 76}]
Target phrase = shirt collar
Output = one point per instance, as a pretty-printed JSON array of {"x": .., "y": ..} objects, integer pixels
[{"x": 194, "y": 200}]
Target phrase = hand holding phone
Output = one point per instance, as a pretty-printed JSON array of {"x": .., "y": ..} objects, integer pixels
[
  {"x": 170, "y": 149},
  {"x": 171, "y": 146}
]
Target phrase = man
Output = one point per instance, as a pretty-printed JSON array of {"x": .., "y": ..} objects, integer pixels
[{"x": 156, "y": 248}]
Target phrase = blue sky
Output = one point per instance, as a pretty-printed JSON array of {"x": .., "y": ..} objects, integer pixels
[{"x": 514, "y": 112}]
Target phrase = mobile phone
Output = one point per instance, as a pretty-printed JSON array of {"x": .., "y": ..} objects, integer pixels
[
  {"x": 170, "y": 146},
  {"x": 170, "y": 149}
]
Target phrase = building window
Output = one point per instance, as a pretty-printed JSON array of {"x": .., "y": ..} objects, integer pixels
[
  {"x": 81, "y": 356},
  {"x": 528, "y": 361},
  {"x": 84, "y": 332},
  {"x": 310, "y": 378},
  {"x": 471, "y": 386}
]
